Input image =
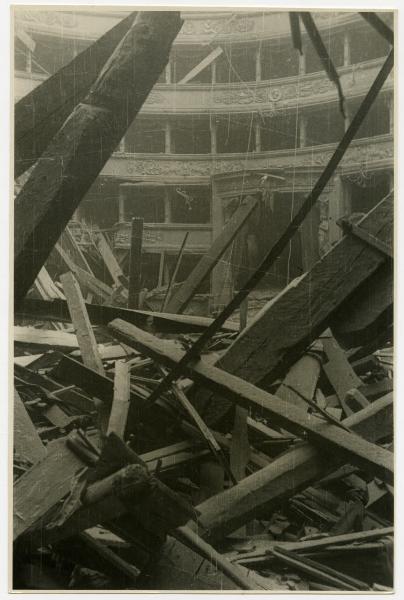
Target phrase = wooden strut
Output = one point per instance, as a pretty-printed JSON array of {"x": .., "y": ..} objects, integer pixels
[
  {"x": 287, "y": 235},
  {"x": 135, "y": 262},
  {"x": 180, "y": 300},
  {"x": 175, "y": 272},
  {"x": 86, "y": 140}
]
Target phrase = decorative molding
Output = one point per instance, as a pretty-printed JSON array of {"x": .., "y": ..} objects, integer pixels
[
  {"x": 49, "y": 18},
  {"x": 367, "y": 153}
]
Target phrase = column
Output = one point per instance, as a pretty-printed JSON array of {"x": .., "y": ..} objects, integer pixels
[
  {"x": 168, "y": 137},
  {"x": 121, "y": 204},
  {"x": 347, "y": 50},
  {"x": 213, "y": 136},
  {"x": 219, "y": 272},
  {"x": 257, "y": 128},
  {"x": 303, "y": 130},
  {"x": 167, "y": 206},
  {"x": 258, "y": 63},
  {"x": 214, "y": 71}
]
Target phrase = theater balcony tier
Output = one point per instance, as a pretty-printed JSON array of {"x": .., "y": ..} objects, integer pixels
[
  {"x": 363, "y": 155},
  {"x": 198, "y": 28},
  {"x": 269, "y": 97}
]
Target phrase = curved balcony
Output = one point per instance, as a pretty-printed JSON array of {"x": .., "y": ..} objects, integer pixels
[
  {"x": 368, "y": 153},
  {"x": 265, "y": 96},
  {"x": 198, "y": 28}
]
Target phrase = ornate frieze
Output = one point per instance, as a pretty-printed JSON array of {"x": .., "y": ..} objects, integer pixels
[{"x": 364, "y": 153}]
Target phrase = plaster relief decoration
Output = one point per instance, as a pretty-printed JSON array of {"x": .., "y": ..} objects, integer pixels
[{"x": 48, "y": 18}]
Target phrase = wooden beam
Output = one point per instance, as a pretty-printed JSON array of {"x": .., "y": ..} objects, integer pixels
[
  {"x": 43, "y": 486},
  {"x": 287, "y": 475},
  {"x": 301, "y": 380},
  {"x": 180, "y": 300},
  {"x": 363, "y": 315},
  {"x": 101, "y": 315},
  {"x": 201, "y": 66},
  {"x": 86, "y": 140},
  {"x": 120, "y": 402},
  {"x": 339, "y": 371},
  {"x": 175, "y": 272},
  {"x": 109, "y": 258},
  {"x": 135, "y": 262},
  {"x": 26, "y": 442},
  {"x": 101, "y": 290},
  {"x": 81, "y": 323},
  {"x": 39, "y": 114},
  {"x": 331, "y": 437}
]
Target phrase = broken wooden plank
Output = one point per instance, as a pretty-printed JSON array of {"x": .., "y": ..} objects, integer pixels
[
  {"x": 173, "y": 278},
  {"x": 286, "y": 475},
  {"x": 301, "y": 380},
  {"x": 26, "y": 442},
  {"x": 339, "y": 371},
  {"x": 69, "y": 165},
  {"x": 135, "y": 262},
  {"x": 44, "y": 338},
  {"x": 109, "y": 259},
  {"x": 87, "y": 281},
  {"x": 331, "y": 437},
  {"x": 41, "y": 488},
  {"x": 120, "y": 402},
  {"x": 81, "y": 323},
  {"x": 39, "y": 114},
  {"x": 180, "y": 300}
]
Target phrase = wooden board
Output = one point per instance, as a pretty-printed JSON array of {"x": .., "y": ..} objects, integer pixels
[
  {"x": 120, "y": 402},
  {"x": 81, "y": 323},
  {"x": 43, "y": 486},
  {"x": 102, "y": 315},
  {"x": 180, "y": 300},
  {"x": 26, "y": 441},
  {"x": 332, "y": 438}
]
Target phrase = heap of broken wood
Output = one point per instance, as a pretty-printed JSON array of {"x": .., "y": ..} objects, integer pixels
[
  {"x": 266, "y": 465},
  {"x": 166, "y": 451}
]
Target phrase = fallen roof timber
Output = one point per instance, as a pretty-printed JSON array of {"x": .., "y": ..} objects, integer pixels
[
  {"x": 57, "y": 310},
  {"x": 75, "y": 156},
  {"x": 40, "y": 114},
  {"x": 333, "y": 438}
]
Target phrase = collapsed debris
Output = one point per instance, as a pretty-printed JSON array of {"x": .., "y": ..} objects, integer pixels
[{"x": 265, "y": 462}]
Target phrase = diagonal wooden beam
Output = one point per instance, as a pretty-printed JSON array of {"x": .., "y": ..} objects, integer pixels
[
  {"x": 39, "y": 114},
  {"x": 180, "y": 300},
  {"x": 79, "y": 150},
  {"x": 202, "y": 65}
]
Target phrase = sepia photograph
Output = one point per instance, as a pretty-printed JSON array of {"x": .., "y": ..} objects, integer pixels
[{"x": 202, "y": 369}]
